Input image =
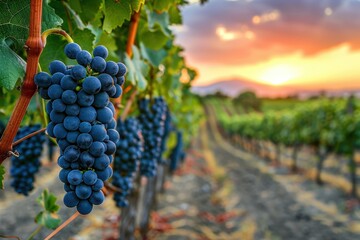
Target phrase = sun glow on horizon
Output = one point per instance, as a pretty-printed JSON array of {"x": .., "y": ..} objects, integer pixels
[
  {"x": 279, "y": 74},
  {"x": 334, "y": 68}
]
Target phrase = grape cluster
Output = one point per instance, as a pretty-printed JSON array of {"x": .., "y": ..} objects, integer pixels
[
  {"x": 177, "y": 153},
  {"x": 128, "y": 154},
  {"x": 82, "y": 121},
  {"x": 24, "y": 167},
  {"x": 152, "y": 128}
]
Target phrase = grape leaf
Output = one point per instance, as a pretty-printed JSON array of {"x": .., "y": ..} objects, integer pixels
[
  {"x": 14, "y": 25},
  {"x": 175, "y": 15},
  {"x": 12, "y": 67},
  {"x": 86, "y": 9},
  {"x": 136, "y": 69},
  {"x": 162, "y": 5},
  {"x": 2, "y": 176},
  {"x": 161, "y": 20},
  {"x": 153, "y": 39},
  {"x": 54, "y": 50},
  {"x": 48, "y": 217},
  {"x": 154, "y": 57},
  {"x": 116, "y": 12}
]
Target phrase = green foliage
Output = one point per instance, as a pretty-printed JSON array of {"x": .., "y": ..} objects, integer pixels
[
  {"x": 14, "y": 29},
  {"x": 48, "y": 216},
  {"x": 137, "y": 69},
  {"x": 249, "y": 101},
  {"x": 2, "y": 176},
  {"x": 323, "y": 124}
]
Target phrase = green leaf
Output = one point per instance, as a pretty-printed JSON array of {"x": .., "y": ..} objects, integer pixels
[
  {"x": 162, "y": 5},
  {"x": 12, "y": 67},
  {"x": 116, "y": 12},
  {"x": 2, "y": 176},
  {"x": 161, "y": 20},
  {"x": 154, "y": 57},
  {"x": 48, "y": 220},
  {"x": 14, "y": 25},
  {"x": 85, "y": 37},
  {"x": 86, "y": 9},
  {"x": 137, "y": 69},
  {"x": 153, "y": 39},
  {"x": 54, "y": 50},
  {"x": 175, "y": 15},
  {"x": 48, "y": 217},
  {"x": 48, "y": 201}
]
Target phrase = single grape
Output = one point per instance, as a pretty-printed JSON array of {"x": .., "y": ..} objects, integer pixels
[
  {"x": 55, "y": 91},
  {"x": 70, "y": 199},
  {"x": 69, "y": 97},
  {"x": 112, "y": 68},
  {"x": 71, "y": 123},
  {"x": 91, "y": 85},
  {"x": 87, "y": 114},
  {"x": 83, "y": 58},
  {"x": 78, "y": 72},
  {"x": 71, "y": 50},
  {"x": 57, "y": 66},
  {"x": 75, "y": 177},
  {"x": 84, "y": 99},
  {"x": 89, "y": 178},
  {"x": 83, "y": 191},
  {"x": 68, "y": 83},
  {"x": 101, "y": 51},
  {"x": 42, "y": 79},
  {"x": 98, "y": 64},
  {"x": 84, "y": 207}
]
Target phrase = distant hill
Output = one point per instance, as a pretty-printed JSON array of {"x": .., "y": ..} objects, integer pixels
[{"x": 235, "y": 86}]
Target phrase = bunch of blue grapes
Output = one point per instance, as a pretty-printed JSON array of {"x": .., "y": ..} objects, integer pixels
[
  {"x": 82, "y": 121},
  {"x": 24, "y": 167},
  {"x": 152, "y": 119},
  {"x": 167, "y": 130},
  {"x": 177, "y": 154},
  {"x": 127, "y": 157}
]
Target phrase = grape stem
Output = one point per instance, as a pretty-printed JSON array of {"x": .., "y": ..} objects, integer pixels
[
  {"x": 57, "y": 31},
  {"x": 37, "y": 230},
  {"x": 64, "y": 224},
  {"x": 34, "y": 47},
  {"x": 28, "y": 136}
]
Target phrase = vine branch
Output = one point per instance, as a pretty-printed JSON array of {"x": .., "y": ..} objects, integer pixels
[
  {"x": 130, "y": 42},
  {"x": 28, "y": 136},
  {"x": 34, "y": 47},
  {"x": 64, "y": 224}
]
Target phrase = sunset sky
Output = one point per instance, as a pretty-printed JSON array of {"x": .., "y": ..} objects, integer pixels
[{"x": 305, "y": 43}]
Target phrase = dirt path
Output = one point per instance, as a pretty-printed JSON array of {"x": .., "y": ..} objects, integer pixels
[{"x": 231, "y": 194}]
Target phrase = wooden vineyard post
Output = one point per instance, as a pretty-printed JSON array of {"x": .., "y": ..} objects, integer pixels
[{"x": 128, "y": 214}]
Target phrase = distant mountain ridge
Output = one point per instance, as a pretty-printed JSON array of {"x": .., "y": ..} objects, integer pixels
[{"x": 233, "y": 87}]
